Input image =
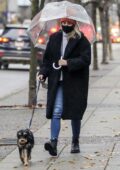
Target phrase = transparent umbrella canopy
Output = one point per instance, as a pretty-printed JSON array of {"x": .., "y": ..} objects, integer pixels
[{"x": 51, "y": 13}]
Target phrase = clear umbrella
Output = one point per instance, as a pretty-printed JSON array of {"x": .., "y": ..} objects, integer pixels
[{"x": 49, "y": 16}]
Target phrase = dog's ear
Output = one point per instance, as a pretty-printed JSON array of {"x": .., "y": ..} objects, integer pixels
[
  {"x": 19, "y": 133},
  {"x": 28, "y": 131},
  {"x": 31, "y": 133}
]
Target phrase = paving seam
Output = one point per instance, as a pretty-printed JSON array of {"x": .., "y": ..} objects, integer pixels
[
  {"x": 105, "y": 168},
  {"x": 56, "y": 158}
]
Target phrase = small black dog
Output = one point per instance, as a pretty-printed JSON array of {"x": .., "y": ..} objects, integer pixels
[{"x": 25, "y": 143}]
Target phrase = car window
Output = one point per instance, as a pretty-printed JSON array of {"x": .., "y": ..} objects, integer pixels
[{"x": 15, "y": 32}]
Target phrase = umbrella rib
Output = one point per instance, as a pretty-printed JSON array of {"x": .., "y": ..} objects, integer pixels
[{"x": 55, "y": 10}]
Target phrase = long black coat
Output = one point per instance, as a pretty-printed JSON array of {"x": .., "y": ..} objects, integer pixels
[{"x": 75, "y": 75}]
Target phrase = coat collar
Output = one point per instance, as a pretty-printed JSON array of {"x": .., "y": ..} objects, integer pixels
[
  {"x": 70, "y": 46},
  {"x": 58, "y": 43}
]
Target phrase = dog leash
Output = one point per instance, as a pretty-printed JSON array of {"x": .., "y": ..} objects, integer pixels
[{"x": 34, "y": 101}]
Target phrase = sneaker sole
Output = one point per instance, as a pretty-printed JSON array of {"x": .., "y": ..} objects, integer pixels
[{"x": 49, "y": 148}]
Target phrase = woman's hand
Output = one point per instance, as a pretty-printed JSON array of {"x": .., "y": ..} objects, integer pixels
[
  {"x": 41, "y": 77},
  {"x": 62, "y": 62}
]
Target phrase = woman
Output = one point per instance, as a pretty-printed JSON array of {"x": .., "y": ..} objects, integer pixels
[{"x": 67, "y": 86}]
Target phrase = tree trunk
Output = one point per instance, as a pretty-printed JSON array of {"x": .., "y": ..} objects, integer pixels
[
  {"x": 108, "y": 36},
  {"x": 33, "y": 61},
  {"x": 42, "y": 4},
  {"x": 74, "y": 1},
  {"x": 95, "y": 56},
  {"x": 104, "y": 35},
  {"x": 118, "y": 12}
]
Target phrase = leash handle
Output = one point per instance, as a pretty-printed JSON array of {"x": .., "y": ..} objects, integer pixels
[{"x": 34, "y": 100}]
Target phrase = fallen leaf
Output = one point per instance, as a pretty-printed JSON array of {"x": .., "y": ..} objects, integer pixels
[
  {"x": 87, "y": 165},
  {"x": 41, "y": 161},
  {"x": 71, "y": 162},
  {"x": 88, "y": 157},
  {"x": 103, "y": 121},
  {"x": 116, "y": 134}
]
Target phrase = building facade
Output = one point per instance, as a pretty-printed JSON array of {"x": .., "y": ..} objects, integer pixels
[{"x": 19, "y": 10}]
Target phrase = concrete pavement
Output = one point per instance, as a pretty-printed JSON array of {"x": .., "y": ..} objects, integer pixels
[{"x": 100, "y": 133}]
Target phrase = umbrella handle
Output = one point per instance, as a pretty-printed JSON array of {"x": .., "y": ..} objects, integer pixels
[{"x": 59, "y": 67}]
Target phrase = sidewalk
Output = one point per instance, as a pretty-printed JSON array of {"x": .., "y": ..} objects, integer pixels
[{"x": 100, "y": 133}]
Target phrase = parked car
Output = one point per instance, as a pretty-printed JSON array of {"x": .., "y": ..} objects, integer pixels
[
  {"x": 1, "y": 31},
  {"x": 115, "y": 38},
  {"x": 15, "y": 46}
]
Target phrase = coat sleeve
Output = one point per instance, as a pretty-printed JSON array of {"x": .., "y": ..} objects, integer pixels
[
  {"x": 45, "y": 67},
  {"x": 81, "y": 61}
]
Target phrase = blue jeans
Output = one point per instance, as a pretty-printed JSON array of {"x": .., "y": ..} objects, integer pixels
[{"x": 57, "y": 113}]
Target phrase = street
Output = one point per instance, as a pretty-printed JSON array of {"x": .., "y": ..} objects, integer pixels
[{"x": 13, "y": 79}]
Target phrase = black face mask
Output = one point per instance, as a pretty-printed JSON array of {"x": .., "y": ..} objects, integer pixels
[{"x": 68, "y": 29}]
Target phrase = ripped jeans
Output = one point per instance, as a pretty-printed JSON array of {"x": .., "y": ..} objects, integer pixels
[{"x": 56, "y": 119}]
